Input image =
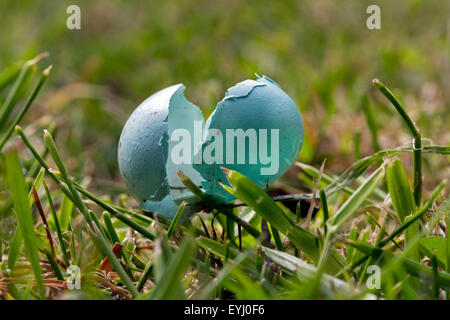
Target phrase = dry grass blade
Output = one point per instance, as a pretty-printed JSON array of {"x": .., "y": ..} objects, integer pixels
[
  {"x": 106, "y": 265},
  {"x": 44, "y": 220}
]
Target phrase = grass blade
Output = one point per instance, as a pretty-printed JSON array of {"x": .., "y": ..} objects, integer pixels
[
  {"x": 54, "y": 265},
  {"x": 223, "y": 275},
  {"x": 109, "y": 226},
  {"x": 402, "y": 201},
  {"x": 62, "y": 244},
  {"x": 167, "y": 290},
  {"x": 307, "y": 272},
  {"x": 365, "y": 105},
  {"x": 76, "y": 199},
  {"x": 25, "y": 72},
  {"x": 30, "y": 99},
  {"x": 105, "y": 248},
  {"x": 256, "y": 198},
  {"x": 15, "y": 246},
  {"x": 417, "y": 142},
  {"x": 355, "y": 201},
  {"x": 414, "y": 217},
  {"x": 123, "y": 218},
  {"x": 95, "y": 232},
  {"x": 175, "y": 220},
  {"x": 435, "y": 245},
  {"x": 65, "y": 212},
  {"x": 145, "y": 274},
  {"x": 210, "y": 202},
  {"x": 8, "y": 75},
  {"x": 16, "y": 182},
  {"x": 447, "y": 236}
]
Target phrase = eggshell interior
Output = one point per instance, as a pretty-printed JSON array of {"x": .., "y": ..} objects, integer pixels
[{"x": 144, "y": 146}]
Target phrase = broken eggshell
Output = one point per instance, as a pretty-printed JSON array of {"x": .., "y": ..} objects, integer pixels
[
  {"x": 252, "y": 104},
  {"x": 144, "y": 146}
]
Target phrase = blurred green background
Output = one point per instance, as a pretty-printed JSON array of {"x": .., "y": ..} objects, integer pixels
[{"x": 320, "y": 52}]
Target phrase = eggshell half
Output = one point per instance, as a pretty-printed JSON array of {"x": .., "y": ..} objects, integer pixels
[
  {"x": 253, "y": 104},
  {"x": 144, "y": 149}
]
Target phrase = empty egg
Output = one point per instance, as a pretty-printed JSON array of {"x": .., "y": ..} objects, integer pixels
[{"x": 256, "y": 129}]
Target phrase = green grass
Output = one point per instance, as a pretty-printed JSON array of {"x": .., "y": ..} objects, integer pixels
[
  {"x": 382, "y": 198},
  {"x": 309, "y": 258}
]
